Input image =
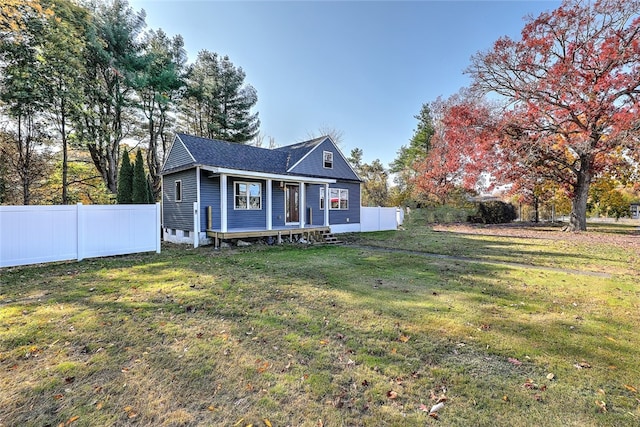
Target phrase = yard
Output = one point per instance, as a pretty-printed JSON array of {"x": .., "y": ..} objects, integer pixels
[{"x": 504, "y": 326}]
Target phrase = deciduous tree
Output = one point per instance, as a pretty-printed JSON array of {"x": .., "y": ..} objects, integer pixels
[{"x": 573, "y": 84}]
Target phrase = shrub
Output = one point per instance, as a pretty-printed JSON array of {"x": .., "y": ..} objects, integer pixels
[{"x": 494, "y": 213}]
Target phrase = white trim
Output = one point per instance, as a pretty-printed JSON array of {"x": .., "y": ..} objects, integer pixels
[
  {"x": 196, "y": 211},
  {"x": 302, "y": 204},
  {"x": 324, "y": 162},
  {"x": 286, "y": 202},
  {"x": 175, "y": 193},
  {"x": 235, "y": 194},
  {"x": 264, "y": 175},
  {"x": 223, "y": 203},
  {"x": 269, "y": 202},
  {"x": 326, "y": 208}
]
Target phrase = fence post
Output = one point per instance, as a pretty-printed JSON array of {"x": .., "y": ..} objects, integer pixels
[
  {"x": 196, "y": 225},
  {"x": 79, "y": 232},
  {"x": 158, "y": 227}
]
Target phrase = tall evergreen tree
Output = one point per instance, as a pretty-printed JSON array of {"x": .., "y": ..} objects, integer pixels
[
  {"x": 125, "y": 180},
  {"x": 140, "y": 188},
  {"x": 159, "y": 84},
  {"x": 112, "y": 59},
  {"x": 218, "y": 103},
  {"x": 419, "y": 145}
]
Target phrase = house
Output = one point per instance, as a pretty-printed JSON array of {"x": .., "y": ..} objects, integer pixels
[
  {"x": 635, "y": 210},
  {"x": 217, "y": 190}
]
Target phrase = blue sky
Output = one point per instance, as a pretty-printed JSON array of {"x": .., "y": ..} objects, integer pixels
[{"x": 363, "y": 68}]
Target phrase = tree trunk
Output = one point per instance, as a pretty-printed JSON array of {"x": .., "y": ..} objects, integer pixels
[{"x": 578, "y": 218}]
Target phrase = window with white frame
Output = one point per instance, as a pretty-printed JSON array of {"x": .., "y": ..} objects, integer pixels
[
  {"x": 248, "y": 195},
  {"x": 338, "y": 198},
  {"x": 327, "y": 159},
  {"x": 178, "y": 190}
]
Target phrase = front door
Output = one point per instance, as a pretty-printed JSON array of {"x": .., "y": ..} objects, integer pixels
[{"x": 292, "y": 203}]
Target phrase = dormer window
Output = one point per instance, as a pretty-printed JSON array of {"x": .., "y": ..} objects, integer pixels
[{"x": 327, "y": 158}]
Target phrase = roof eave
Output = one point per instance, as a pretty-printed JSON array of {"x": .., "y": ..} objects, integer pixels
[{"x": 267, "y": 175}]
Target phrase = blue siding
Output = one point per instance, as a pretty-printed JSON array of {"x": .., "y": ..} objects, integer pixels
[
  {"x": 313, "y": 203},
  {"x": 240, "y": 218},
  {"x": 178, "y": 156},
  {"x": 313, "y": 164},
  {"x": 351, "y": 215},
  {"x": 179, "y": 215},
  {"x": 209, "y": 196},
  {"x": 277, "y": 202}
]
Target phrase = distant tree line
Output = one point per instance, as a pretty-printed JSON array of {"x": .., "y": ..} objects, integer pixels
[{"x": 80, "y": 79}]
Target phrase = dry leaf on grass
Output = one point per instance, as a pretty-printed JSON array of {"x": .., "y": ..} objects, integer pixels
[
  {"x": 630, "y": 388},
  {"x": 392, "y": 394},
  {"x": 514, "y": 361}
]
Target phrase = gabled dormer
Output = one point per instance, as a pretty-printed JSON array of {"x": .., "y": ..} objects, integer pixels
[{"x": 319, "y": 157}]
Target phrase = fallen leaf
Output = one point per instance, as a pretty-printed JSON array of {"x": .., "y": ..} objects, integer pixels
[
  {"x": 582, "y": 365},
  {"x": 58, "y": 396},
  {"x": 550, "y": 376},
  {"x": 514, "y": 361},
  {"x": 505, "y": 398},
  {"x": 394, "y": 350},
  {"x": 433, "y": 415},
  {"x": 424, "y": 407},
  {"x": 392, "y": 394},
  {"x": 72, "y": 420},
  {"x": 404, "y": 338},
  {"x": 99, "y": 406},
  {"x": 324, "y": 342},
  {"x": 211, "y": 408},
  {"x": 267, "y": 422},
  {"x": 601, "y": 405},
  {"x": 69, "y": 380},
  {"x": 630, "y": 388}
]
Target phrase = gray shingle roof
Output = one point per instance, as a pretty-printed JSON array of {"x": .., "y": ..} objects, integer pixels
[{"x": 213, "y": 152}]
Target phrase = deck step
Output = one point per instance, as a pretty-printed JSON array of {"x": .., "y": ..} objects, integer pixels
[{"x": 330, "y": 239}]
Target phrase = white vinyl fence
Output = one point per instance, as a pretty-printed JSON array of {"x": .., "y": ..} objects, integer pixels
[
  {"x": 379, "y": 219},
  {"x": 37, "y": 234}
]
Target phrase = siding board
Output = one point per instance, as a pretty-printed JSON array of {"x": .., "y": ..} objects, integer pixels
[{"x": 179, "y": 215}]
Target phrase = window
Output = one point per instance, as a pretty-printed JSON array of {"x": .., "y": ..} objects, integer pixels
[
  {"x": 339, "y": 198},
  {"x": 178, "y": 192},
  {"x": 248, "y": 195},
  {"x": 327, "y": 158}
]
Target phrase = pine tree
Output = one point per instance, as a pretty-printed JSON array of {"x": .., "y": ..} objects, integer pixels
[
  {"x": 140, "y": 193},
  {"x": 125, "y": 180}
]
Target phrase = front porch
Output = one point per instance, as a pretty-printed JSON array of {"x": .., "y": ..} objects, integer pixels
[{"x": 278, "y": 232}]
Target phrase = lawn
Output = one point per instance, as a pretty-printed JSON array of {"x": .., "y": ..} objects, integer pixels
[{"x": 503, "y": 326}]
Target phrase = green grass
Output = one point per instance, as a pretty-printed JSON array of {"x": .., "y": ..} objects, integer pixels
[{"x": 302, "y": 336}]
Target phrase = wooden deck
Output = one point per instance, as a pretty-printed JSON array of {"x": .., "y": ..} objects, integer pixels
[{"x": 278, "y": 232}]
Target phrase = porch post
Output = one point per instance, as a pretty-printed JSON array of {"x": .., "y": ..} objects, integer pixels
[
  {"x": 223, "y": 203},
  {"x": 302, "y": 205},
  {"x": 327, "y": 205},
  {"x": 269, "y": 203}
]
